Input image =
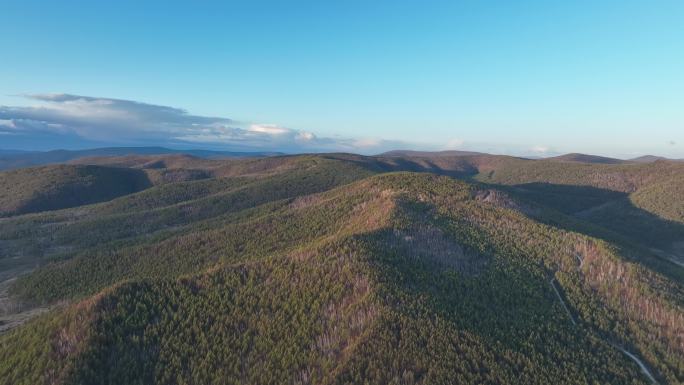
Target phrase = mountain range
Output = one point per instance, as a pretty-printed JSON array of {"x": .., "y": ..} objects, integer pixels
[
  {"x": 401, "y": 268},
  {"x": 12, "y": 159}
]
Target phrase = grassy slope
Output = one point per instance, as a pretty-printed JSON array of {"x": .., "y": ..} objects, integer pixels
[{"x": 401, "y": 278}]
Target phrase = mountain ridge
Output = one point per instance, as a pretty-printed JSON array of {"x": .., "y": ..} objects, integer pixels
[
  {"x": 585, "y": 158},
  {"x": 341, "y": 268},
  {"x": 11, "y": 159}
]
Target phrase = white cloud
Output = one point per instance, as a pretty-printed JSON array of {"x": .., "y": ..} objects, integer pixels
[
  {"x": 367, "y": 142},
  {"x": 454, "y": 144},
  {"x": 7, "y": 123},
  {"x": 540, "y": 149},
  {"x": 271, "y": 129},
  {"x": 117, "y": 121},
  {"x": 305, "y": 136},
  {"x": 103, "y": 118}
]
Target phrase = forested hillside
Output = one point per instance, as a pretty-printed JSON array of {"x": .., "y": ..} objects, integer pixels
[
  {"x": 55, "y": 187},
  {"x": 344, "y": 269},
  {"x": 641, "y": 202}
]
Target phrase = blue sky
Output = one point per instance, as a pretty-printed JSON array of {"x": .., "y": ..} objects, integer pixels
[{"x": 518, "y": 77}]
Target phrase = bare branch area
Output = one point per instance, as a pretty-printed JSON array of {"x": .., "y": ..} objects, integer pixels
[
  {"x": 431, "y": 244},
  {"x": 501, "y": 199}
]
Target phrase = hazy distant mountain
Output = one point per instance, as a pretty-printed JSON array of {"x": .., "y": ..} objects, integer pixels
[
  {"x": 12, "y": 152},
  {"x": 10, "y": 159},
  {"x": 411, "y": 153},
  {"x": 652, "y": 158},
  {"x": 584, "y": 158},
  {"x": 647, "y": 159}
]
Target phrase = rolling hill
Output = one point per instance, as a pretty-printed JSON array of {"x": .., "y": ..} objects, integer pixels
[
  {"x": 584, "y": 158},
  {"x": 56, "y": 187},
  {"x": 10, "y": 159},
  {"x": 428, "y": 154},
  {"x": 345, "y": 269},
  {"x": 652, "y": 158},
  {"x": 639, "y": 202}
]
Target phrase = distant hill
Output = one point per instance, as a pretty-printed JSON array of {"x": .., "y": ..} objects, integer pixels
[
  {"x": 11, "y": 159},
  {"x": 584, "y": 158},
  {"x": 652, "y": 158},
  {"x": 145, "y": 161},
  {"x": 62, "y": 186},
  {"x": 410, "y": 153},
  {"x": 12, "y": 152},
  {"x": 443, "y": 164},
  {"x": 647, "y": 159}
]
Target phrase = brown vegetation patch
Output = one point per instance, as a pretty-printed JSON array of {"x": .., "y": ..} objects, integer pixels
[
  {"x": 70, "y": 338},
  {"x": 346, "y": 318},
  {"x": 374, "y": 213},
  {"x": 305, "y": 201},
  {"x": 501, "y": 199},
  {"x": 620, "y": 281},
  {"x": 344, "y": 322}
]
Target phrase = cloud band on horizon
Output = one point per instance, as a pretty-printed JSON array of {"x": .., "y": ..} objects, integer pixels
[{"x": 125, "y": 122}]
